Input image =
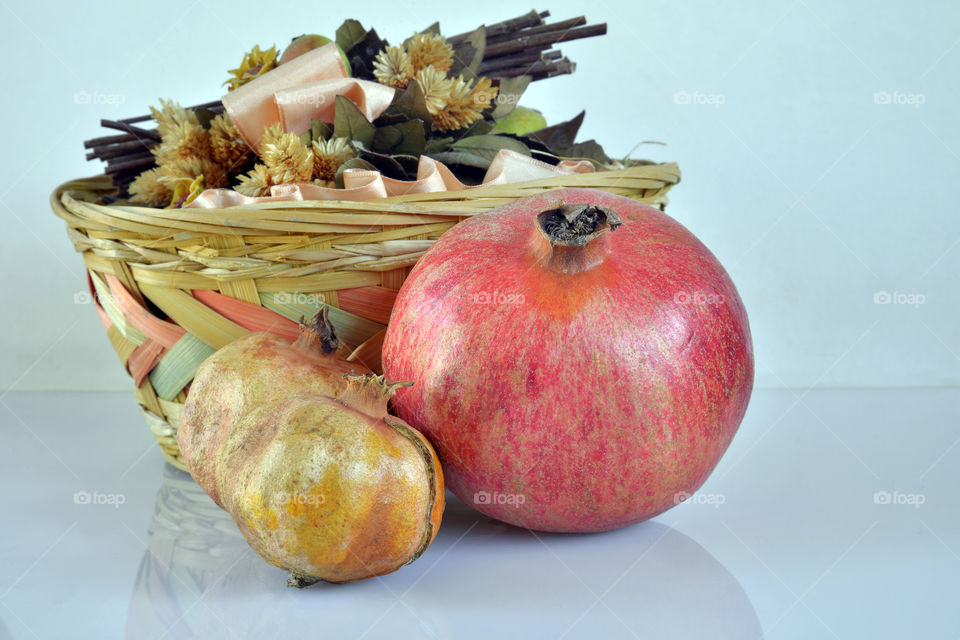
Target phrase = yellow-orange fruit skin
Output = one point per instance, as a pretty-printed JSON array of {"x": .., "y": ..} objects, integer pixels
[
  {"x": 252, "y": 371},
  {"x": 328, "y": 491}
]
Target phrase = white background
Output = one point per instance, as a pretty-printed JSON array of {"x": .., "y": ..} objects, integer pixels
[{"x": 812, "y": 194}]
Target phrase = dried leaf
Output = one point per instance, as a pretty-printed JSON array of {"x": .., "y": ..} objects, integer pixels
[
  {"x": 350, "y": 33},
  {"x": 589, "y": 149},
  {"x": 437, "y": 145},
  {"x": 320, "y": 130},
  {"x": 363, "y": 53},
  {"x": 559, "y": 136},
  {"x": 478, "y": 128},
  {"x": 349, "y": 122},
  {"x": 462, "y": 158},
  {"x": 487, "y": 146},
  {"x": 468, "y": 54},
  {"x": 509, "y": 95},
  {"x": 406, "y": 138},
  {"x": 411, "y": 104},
  {"x": 389, "y": 167}
]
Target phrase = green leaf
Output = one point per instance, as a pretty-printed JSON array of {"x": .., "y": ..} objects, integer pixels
[
  {"x": 463, "y": 158},
  {"x": 320, "y": 130},
  {"x": 509, "y": 95},
  {"x": 559, "y": 136},
  {"x": 205, "y": 116},
  {"x": 468, "y": 54},
  {"x": 436, "y": 145},
  {"x": 350, "y": 33},
  {"x": 352, "y": 163},
  {"x": 487, "y": 146},
  {"x": 590, "y": 150},
  {"x": 478, "y": 128},
  {"x": 349, "y": 122},
  {"x": 411, "y": 103},
  {"x": 406, "y": 138},
  {"x": 410, "y": 164},
  {"x": 389, "y": 167}
]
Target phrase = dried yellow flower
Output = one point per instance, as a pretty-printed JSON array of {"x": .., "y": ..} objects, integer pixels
[
  {"x": 256, "y": 183},
  {"x": 174, "y": 171},
  {"x": 170, "y": 115},
  {"x": 464, "y": 104},
  {"x": 183, "y": 140},
  {"x": 393, "y": 67},
  {"x": 435, "y": 86},
  {"x": 287, "y": 160},
  {"x": 227, "y": 145},
  {"x": 328, "y": 156},
  {"x": 255, "y": 63},
  {"x": 147, "y": 189},
  {"x": 430, "y": 50}
]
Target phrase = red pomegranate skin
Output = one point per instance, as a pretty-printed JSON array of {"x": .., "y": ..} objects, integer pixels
[{"x": 579, "y": 401}]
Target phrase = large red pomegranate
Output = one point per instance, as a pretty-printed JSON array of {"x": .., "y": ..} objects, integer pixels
[{"x": 581, "y": 360}]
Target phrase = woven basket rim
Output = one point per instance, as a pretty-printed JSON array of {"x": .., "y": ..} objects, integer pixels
[{"x": 68, "y": 200}]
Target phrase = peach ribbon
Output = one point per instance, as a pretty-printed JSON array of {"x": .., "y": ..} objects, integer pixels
[
  {"x": 300, "y": 90},
  {"x": 432, "y": 175}
]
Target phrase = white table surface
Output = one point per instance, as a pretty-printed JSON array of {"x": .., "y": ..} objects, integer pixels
[{"x": 788, "y": 539}]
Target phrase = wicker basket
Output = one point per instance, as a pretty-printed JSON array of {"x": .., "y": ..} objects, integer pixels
[{"x": 173, "y": 285}]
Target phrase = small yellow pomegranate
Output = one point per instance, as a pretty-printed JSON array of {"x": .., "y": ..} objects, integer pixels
[
  {"x": 332, "y": 489},
  {"x": 296, "y": 444},
  {"x": 255, "y": 370}
]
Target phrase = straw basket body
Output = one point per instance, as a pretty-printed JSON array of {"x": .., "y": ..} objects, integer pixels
[{"x": 173, "y": 285}]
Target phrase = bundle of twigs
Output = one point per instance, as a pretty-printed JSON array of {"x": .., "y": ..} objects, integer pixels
[{"x": 521, "y": 46}]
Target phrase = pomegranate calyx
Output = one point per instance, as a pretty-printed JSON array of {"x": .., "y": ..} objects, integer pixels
[
  {"x": 369, "y": 393},
  {"x": 571, "y": 237},
  {"x": 576, "y": 224},
  {"x": 318, "y": 336}
]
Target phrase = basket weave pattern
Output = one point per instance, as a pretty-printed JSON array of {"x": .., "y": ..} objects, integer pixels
[{"x": 173, "y": 285}]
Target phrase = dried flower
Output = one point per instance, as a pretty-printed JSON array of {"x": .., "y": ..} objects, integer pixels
[
  {"x": 328, "y": 156},
  {"x": 256, "y": 183},
  {"x": 435, "y": 86},
  {"x": 393, "y": 67},
  {"x": 170, "y": 115},
  {"x": 227, "y": 145},
  {"x": 255, "y": 63},
  {"x": 464, "y": 104},
  {"x": 147, "y": 189},
  {"x": 430, "y": 50},
  {"x": 183, "y": 140},
  {"x": 179, "y": 169},
  {"x": 287, "y": 160}
]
